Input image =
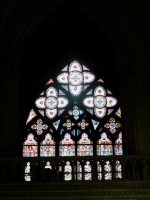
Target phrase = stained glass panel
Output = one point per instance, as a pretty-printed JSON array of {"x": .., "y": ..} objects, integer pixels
[
  {"x": 90, "y": 111},
  {"x": 88, "y": 77},
  {"x": 65, "y": 87},
  {"x": 41, "y": 112},
  {"x": 107, "y": 171},
  {"x": 48, "y": 165},
  {"x": 100, "y": 112},
  {"x": 67, "y": 172},
  {"x": 51, "y": 113},
  {"x": 83, "y": 124},
  {"x": 30, "y": 148},
  {"x": 95, "y": 124},
  {"x": 118, "y": 113},
  {"x": 111, "y": 101},
  {"x": 75, "y": 90},
  {"x": 99, "y": 171},
  {"x": 84, "y": 148},
  {"x": 85, "y": 87},
  {"x": 104, "y": 150},
  {"x": 90, "y": 92},
  {"x": 40, "y": 103},
  {"x": 85, "y": 68},
  {"x": 27, "y": 175},
  {"x": 118, "y": 150},
  {"x": 65, "y": 68},
  {"x": 56, "y": 124},
  {"x": 99, "y": 91},
  {"x": 63, "y": 78},
  {"x": 118, "y": 170},
  {"x": 31, "y": 115},
  {"x": 47, "y": 146},
  {"x": 67, "y": 147},
  {"x": 79, "y": 171},
  {"x": 87, "y": 171}
]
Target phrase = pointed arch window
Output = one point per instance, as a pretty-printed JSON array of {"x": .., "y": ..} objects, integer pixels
[
  {"x": 75, "y": 115},
  {"x": 67, "y": 146},
  {"x": 47, "y": 146},
  {"x": 85, "y": 146},
  {"x": 30, "y": 147}
]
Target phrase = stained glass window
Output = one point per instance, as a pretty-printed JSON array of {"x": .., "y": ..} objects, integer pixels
[
  {"x": 30, "y": 146},
  {"x": 84, "y": 147},
  {"x": 87, "y": 171},
  {"x": 67, "y": 147},
  {"x": 107, "y": 171},
  {"x": 118, "y": 170},
  {"x": 47, "y": 146},
  {"x": 79, "y": 171},
  {"x": 75, "y": 114},
  {"x": 48, "y": 165},
  {"x": 68, "y": 172},
  {"x": 104, "y": 147},
  {"x": 118, "y": 145},
  {"x": 99, "y": 171}
]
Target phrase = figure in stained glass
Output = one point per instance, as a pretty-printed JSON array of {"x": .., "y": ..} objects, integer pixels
[
  {"x": 47, "y": 146},
  {"x": 118, "y": 145},
  {"x": 79, "y": 171},
  {"x": 118, "y": 170},
  {"x": 67, "y": 172},
  {"x": 27, "y": 175},
  {"x": 87, "y": 171},
  {"x": 107, "y": 171},
  {"x": 67, "y": 147},
  {"x": 104, "y": 146},
  {"x": 30, "y": 148},
  {"x": 84, "y": 147},
  {"x": 99, "y": 171}
]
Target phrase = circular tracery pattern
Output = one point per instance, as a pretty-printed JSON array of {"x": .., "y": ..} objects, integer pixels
[
  {"x": 51, "y": 102},
  {"x": 75, "y": 78},
  {"x": 99, "y": 102}
]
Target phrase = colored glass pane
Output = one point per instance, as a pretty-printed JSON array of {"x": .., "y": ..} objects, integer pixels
[
  {"x": 31, "y": 115},
  {"x": 67, "y": 147},
  {"x": 118, "y": 170},
  {"x": 87, "y": 171},
  {"x": 67, "y": 172},
  {"x": 99, "y": 171},
  {"x": 47, "y": 146},
  {"x": 27, "y": 175},
  {"x": 79, "y": 171},
  {"x": 107, "y": 171}
]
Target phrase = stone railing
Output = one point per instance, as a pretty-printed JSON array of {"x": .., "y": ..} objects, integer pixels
[{"x": 75, "y": 169}]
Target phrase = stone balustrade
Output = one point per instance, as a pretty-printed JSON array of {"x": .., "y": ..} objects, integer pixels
[{"x": 88, "y": 168}]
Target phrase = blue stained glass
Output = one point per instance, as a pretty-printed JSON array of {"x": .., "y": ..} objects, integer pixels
[
  {"x": 73, "y": 132},
  {"x": 78, "y": 132},
  {"x": 62, "y": 131},
  {"x": 70, "y": 112}
]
